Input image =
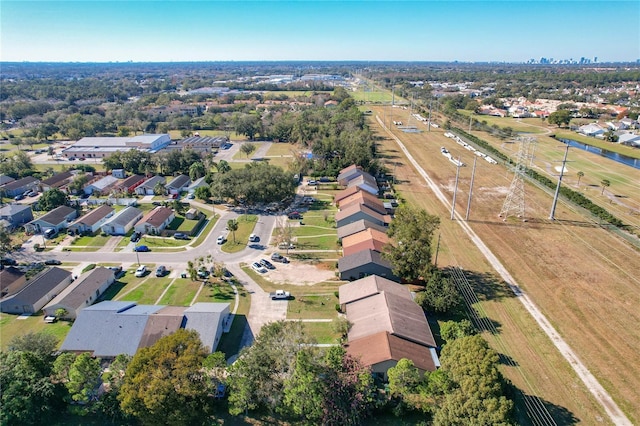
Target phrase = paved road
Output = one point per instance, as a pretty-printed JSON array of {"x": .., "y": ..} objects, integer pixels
[{"x": 616, "y": 415}]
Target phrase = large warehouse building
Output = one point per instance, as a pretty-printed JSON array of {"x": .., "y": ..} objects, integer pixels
[{"x": 100, "y": 147}]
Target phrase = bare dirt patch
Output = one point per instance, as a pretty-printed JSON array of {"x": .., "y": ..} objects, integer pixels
[{"x": 301, "y": 274}]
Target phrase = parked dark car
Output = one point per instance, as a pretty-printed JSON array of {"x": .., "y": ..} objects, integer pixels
[
  {"x": 142, "y": 248},
  {"x": 161, "y": 271},
  {"x": 117, "y": 270},
  {"x": 267, "y": 264},
  {"x": 203, "y": 274},
  {"x": 52, "y": 262},
  {"x": 294, "y": 215},
  {"x": 180, "y": 236},
  {"x": 135, "y": 237},
  {"x": 277, "y": 257},
  {"x": 7, "y": 261}
]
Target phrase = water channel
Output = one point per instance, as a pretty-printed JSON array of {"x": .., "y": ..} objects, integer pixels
[{"x": 620, "y": 158}]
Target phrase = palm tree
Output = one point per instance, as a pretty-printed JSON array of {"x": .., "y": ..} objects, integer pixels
[
  {"x": 580, "y": 176},
  {"x": 605, "y": 183},
  {"x": 223, "y": 167},
  {"x": 232, "y": 224},
  {"x": 196, "y": 170}
]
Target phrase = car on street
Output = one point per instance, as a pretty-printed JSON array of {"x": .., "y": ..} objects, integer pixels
[
  {"x": 180, "y": 236},
  {"x": 221, "y": 240},
  {"x": 256, "y": 266},
  {"x": 253, "y": 238},
  {"x": 52, "y": 262},
  {"x": 277, "y": 257},
  {"x": 267, "y": 264},
  {"x": 135, "y": 237},
  {"x": 161, "y": 271},
  {"x": 142, "y": 249},
  {"x": 141, "y": 271}
]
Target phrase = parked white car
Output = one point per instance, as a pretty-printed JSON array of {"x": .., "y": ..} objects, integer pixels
[
  {"x": 256, "y": 266},
  {"x": 221, "y": 240},
  {"x": 141, "y": 271}
]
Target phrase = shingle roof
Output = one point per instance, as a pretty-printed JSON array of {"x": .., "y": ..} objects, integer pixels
[
  {"x": 13, "y": 209},
  {"x": 361, "y": 258},
  {"x": 179, "y": 182},
  {"x": 389, "y": 312},
  {"x": 130, "y": 181},
  {"x": 357, "y": 226},
  {"x": 104, "y": 182},
  {"x": 11, "y": 281},
  {"x": 151, "y": 183},
  {"x": 19, "y": 183},
  {"x": 366, "y": 198},
  {"x": 56, "y": 215},
  {"x": 369, "y": 244},
  {"x": 5, "y": 179},
  {"x": 84, "y": 287},
  {"x": 125, "y": 216},
  {"x": 347, "y": 192},
  {"x": 356, "y": 208},
  {"x": 369, "y": 286},
  {"x": 96, "y": 215},
  {"x": 58, "y": 179},
  {"x": 367, "y": 234},
  {"x": 157, "y": 216},
  {"x": 383, "y": 346},
  {"x": 42, "y": 284}
]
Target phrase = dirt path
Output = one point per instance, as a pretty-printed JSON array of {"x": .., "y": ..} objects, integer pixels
[{"x": 600, "y": 394}]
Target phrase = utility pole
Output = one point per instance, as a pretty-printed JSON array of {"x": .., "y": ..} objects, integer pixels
[
  {"x": 470, "y": 119},
  {"x": 429, "y": 122},
  {"x": 555, "y": 197},
  {"x": 435, "y": 262},
  {"x": 473, "y": 173},
  {"x": 455, "y": 190}
]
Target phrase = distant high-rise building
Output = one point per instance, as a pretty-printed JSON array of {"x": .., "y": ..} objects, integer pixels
[{"x": 595, "y": 59}]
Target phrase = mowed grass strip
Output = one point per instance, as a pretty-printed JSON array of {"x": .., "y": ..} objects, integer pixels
[
  {"x": 319, "y": 306},
  {"x": 217, "y": 292},
  {"x": 180, "y": 293},
  {"x": 148, "y": 292},
  {"x": 246, "y": 223}
]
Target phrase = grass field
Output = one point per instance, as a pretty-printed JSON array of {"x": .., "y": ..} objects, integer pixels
[
  {"x": 583, "y": 278},
  {"x": 312, "y": 306},
  {"x": 278, "y": 149},
  {"x": 180, "y": 293},
  {"x": 246, "y": 223},
  {"x": 148, "y": 292},
  {"x": 11, "y": 326}
]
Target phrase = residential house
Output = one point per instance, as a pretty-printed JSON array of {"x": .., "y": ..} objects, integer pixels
[
  {"x": 12, "y": 280},
  {"x": 591, "y": 130},
  {"x": 356, "y": 212},
  {"x": 122, "y": 222},
  {"x": 366, "y": 198},
  {"x": 191, "y": 189},
  {"x": 147, "y": 187},
  {"x": 382, "y": 351},
  {"x": 83, "y": 292},
  {"x": 347, "y": 192},
  {"x": 4, "y": 179},
  {"x": 178, "y": 184},
  {"x": 59, "y": 180},
  {"x": 37, "y": 292},
  {"x": 370, "y": 239},
  {"x": 629, "y": 139},
  {"x": 129, "y": 184},
  {"x": 16, "y": 215},
  {"x": 59, "y": 218},
  {"x": 154, "y": 222},
  {"x": 357, "y": 226},
  {"x": 365, "y": 182},
  {"x": 20, "y": 186},
  {"x": 110, "y": 328},
  {"x": 363, "y": 263},
  {"x": 92, "y": 221},
  {"x": 101, "y": 186},
  {"x": 349, "y": 173},
  {"x": 367, "y": 287},
  {"x": 192, "y": 214}
]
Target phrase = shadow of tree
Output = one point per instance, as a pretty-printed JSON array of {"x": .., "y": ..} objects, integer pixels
[
  {"x": 488, "y": 286},
  {"x": 533, "y": 410}
]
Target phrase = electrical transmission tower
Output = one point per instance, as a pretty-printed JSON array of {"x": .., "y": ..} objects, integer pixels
[{"x": 514, "y": 203}]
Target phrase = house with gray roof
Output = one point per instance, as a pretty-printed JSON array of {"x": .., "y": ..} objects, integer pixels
[
  {"x": 110, "y": 328},
  {"x": 364, "y": 263},
  {"x": 366, "y": 182},
  {"x": 20, "y": 186},
  {"x": 101, "y": 186},
  {"x": 357, "y": 226},
  {"x": 5, "y": 179},
  {"x": 85, "y": 291},
  {"x": 178, "y": 184},
  {"x": 123, "y": 222},
  {"x": 92, "y": 221},
  {"x": 58, "y": 219},
  {"x": 37, "y": 292},
  {"x": 349, "y": 173},
  {"x": 147, "y": 187},
  {"x": 16, "y": 214},
  {"x": 196, "y": 184}
]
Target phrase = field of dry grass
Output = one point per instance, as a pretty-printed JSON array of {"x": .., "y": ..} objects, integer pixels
[{"x": 584, "y": 279}]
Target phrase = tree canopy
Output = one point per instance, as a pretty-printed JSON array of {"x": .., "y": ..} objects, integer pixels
[{"x": 52, "y": 198}]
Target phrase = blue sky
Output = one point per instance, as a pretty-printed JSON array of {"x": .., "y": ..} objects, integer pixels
[{"x": 425, "y": 30}]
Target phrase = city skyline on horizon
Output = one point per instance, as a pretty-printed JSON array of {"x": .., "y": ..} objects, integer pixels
[{"x": 506, "y": 31}]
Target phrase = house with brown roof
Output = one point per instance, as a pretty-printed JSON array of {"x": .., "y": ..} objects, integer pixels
[
  {"x": 154, "y": 222},
  {"x": 57, "y": 181},
  {"x": 58, "y": 219},
  {"x": 366, "y": 198},
  {"x": 92, "y": 221},
  {"x": 12, "y": 280},
  {"x": 382, "y": 351},
  {"x": 369, "y": 239},
  {"x": 37, "y": 292},
  {"x": 355, "y": 212},
  {"x": 347, "y": 192},
  {"x": 349, "y": 173},
  {"x": 364, "y": 263},
  {"x": 129, "y": 184},
  {"x": 357, "y": 226},
  {"x": 84, "y": 292},
  {"x": 369, "y": 286}
]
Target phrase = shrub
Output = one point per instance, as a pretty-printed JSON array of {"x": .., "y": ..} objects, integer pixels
[{"x": 89, "y": 267}]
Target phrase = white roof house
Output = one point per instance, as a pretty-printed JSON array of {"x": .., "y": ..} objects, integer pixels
[{"x": 591, "y": 130}]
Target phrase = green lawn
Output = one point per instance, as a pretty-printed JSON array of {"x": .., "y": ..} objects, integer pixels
[
  {"x": 375, "y": 96},
  {"x": 323, "y": 332},
  {"x": 312, "y": 307},
  {"x": 246, "y": 223},
  {"x": 208, "y": 225},
  {"x": 11, "y": 326},
  {"x": 181, "y": 292},
  {"x": 282, "y": 148},
  {"x": 89, "y": 241},
  {"x": 148, "y": 292},
  {"x": 609, "y": 146},
  {"x": 217, "y": 292}
]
